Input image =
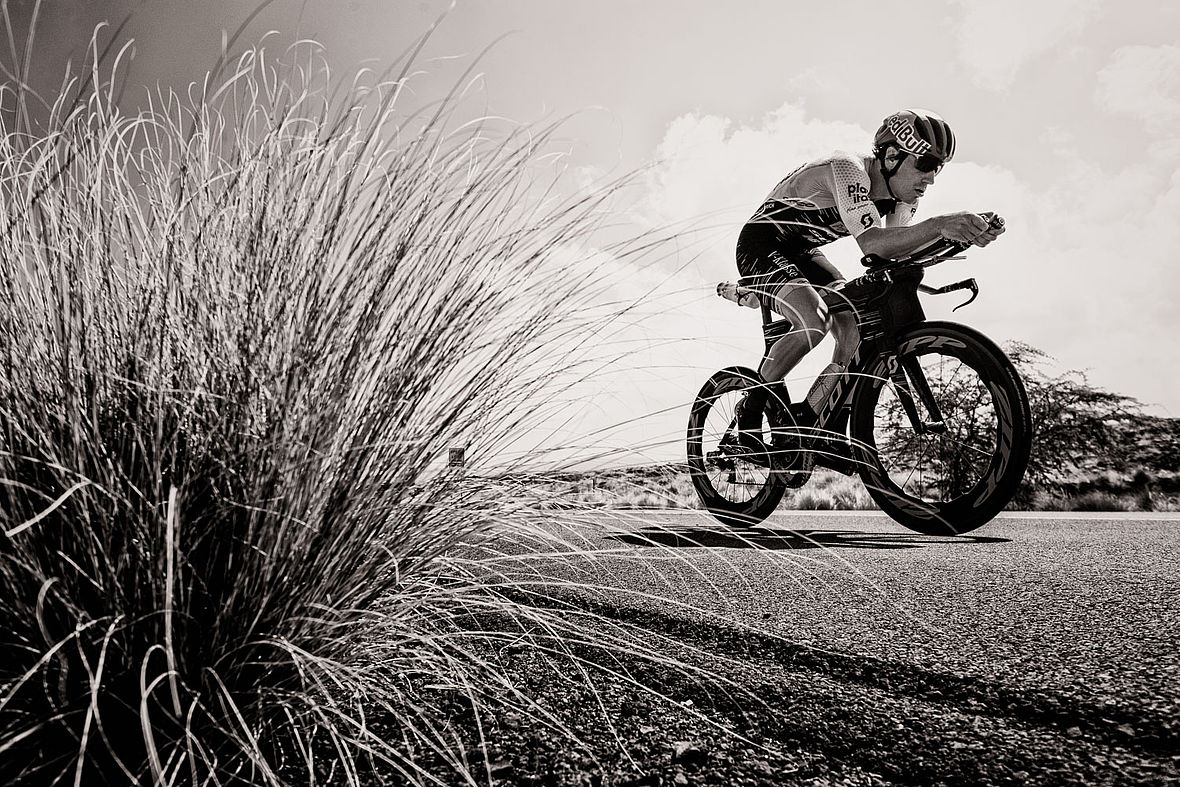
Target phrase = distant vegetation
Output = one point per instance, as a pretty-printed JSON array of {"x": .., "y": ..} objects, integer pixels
[{"x": 1094, "y": 450}]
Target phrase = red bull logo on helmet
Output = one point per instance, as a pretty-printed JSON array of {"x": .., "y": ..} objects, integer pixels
[{"x": 907, "y": 137}]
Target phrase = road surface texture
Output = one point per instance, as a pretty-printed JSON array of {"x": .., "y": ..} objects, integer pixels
[{"x": 843, "y": 649}]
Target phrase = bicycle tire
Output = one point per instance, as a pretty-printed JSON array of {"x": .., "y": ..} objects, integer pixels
[
  {"x": 955, "y": 481},
  {"x": 714, "y": 473}
]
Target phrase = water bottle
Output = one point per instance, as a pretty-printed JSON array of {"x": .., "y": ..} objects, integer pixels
[
  {"x": 821, "y": 389},
  {"x": 739, "y": 295}
]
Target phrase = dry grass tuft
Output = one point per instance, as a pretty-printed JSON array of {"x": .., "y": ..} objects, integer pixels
[{"x": 238, "y": 329}]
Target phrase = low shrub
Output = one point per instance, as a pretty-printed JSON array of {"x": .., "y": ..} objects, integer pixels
[{"x": 1102, "y": 501}]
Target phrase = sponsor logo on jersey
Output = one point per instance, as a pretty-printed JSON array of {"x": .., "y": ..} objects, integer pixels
[
  {"x": 907, "y": 138},
  {"x": 858, "y": 193},
  {"x": 867, "y": 220}
]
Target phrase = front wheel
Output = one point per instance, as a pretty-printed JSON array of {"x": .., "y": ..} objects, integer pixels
[
  {"x": 738, "y": 486},
  {"x": 942, "y": 430}
]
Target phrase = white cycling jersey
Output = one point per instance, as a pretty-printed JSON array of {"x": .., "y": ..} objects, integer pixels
[{"x": 827, "y": 199}]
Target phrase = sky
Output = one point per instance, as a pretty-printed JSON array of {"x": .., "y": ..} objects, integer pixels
[{"x": 1067, "y": 114}]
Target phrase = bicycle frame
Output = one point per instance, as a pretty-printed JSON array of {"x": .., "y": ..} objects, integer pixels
[
  {"x": 906, "y": 377},
  {"x": 885, "y": 303}
]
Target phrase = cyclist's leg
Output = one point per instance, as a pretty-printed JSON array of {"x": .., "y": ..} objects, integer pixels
[
  {"x": 822, "y": 275},
  {"x": 799, "y": 301},
  {"x": 764, "y": 268},
  {"x": 842, "y": 325},
  {"x": 792, "y": 296}
]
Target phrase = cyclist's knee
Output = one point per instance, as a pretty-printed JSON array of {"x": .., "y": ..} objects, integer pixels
[
  {"x": 816, "y": 331},
  {"x": 807, "y": 312},
  {"x": 843, "y": 326},
  {"x": 844, "y": 331}
]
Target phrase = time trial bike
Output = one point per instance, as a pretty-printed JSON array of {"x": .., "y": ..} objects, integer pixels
[{"x": 932, "y": 415}]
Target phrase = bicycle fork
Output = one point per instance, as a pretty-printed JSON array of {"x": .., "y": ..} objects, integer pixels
[{"x": 909, "y": 379}]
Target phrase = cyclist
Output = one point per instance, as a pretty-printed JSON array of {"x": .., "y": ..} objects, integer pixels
[{"x": 870, "y": 197}]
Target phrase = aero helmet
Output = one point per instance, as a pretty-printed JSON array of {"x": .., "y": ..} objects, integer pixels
[{"x": 916, "y": 132}]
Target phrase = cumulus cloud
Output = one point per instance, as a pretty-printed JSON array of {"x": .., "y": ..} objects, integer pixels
[
  {"x": 997, "y": 38},
  {"x": 709, "y": 162},
  {"x": 1088, "y": 280},
  {"x": 1143, "y": 82},
  {"x": 711, "y": 174}
]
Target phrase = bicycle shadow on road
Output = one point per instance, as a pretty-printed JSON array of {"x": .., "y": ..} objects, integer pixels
[{"x": 770, "y": 538}]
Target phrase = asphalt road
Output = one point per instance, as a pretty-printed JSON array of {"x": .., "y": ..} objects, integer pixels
[{"x": 1050, "y": 644}]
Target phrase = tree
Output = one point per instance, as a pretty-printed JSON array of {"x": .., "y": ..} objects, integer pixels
[{"x": 1078, "y": 428}]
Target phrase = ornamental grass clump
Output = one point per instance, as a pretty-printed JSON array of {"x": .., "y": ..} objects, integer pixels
[{"x": 239, "y": 328}]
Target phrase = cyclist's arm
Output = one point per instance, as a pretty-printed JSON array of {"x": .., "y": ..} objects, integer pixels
[
  {"x": 850, "y": 186},
  {"x": 893, "y": 242}
]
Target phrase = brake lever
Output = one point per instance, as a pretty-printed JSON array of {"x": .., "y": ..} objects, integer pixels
[
  {"x": 971, "y": 285},
  {"x": 965, "y": 284}
]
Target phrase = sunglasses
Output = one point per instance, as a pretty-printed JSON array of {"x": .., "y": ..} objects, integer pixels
[{"x": 928, "y": 163}]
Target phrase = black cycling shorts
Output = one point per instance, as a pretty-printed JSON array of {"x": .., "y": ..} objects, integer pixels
[{"x": 764, "y": 262}]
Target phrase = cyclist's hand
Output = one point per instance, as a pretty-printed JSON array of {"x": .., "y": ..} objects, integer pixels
[
  {"x": 962, "y": 227},
  {"x": 995, "y": 228}
]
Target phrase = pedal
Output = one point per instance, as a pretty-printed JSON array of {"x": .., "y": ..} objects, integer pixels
[
  {"x": 840, "y": 464},
  {"x": 799, "y": 470},
  {"x": 745, "y": 447},
  {"x": 719, "y": 459}
]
